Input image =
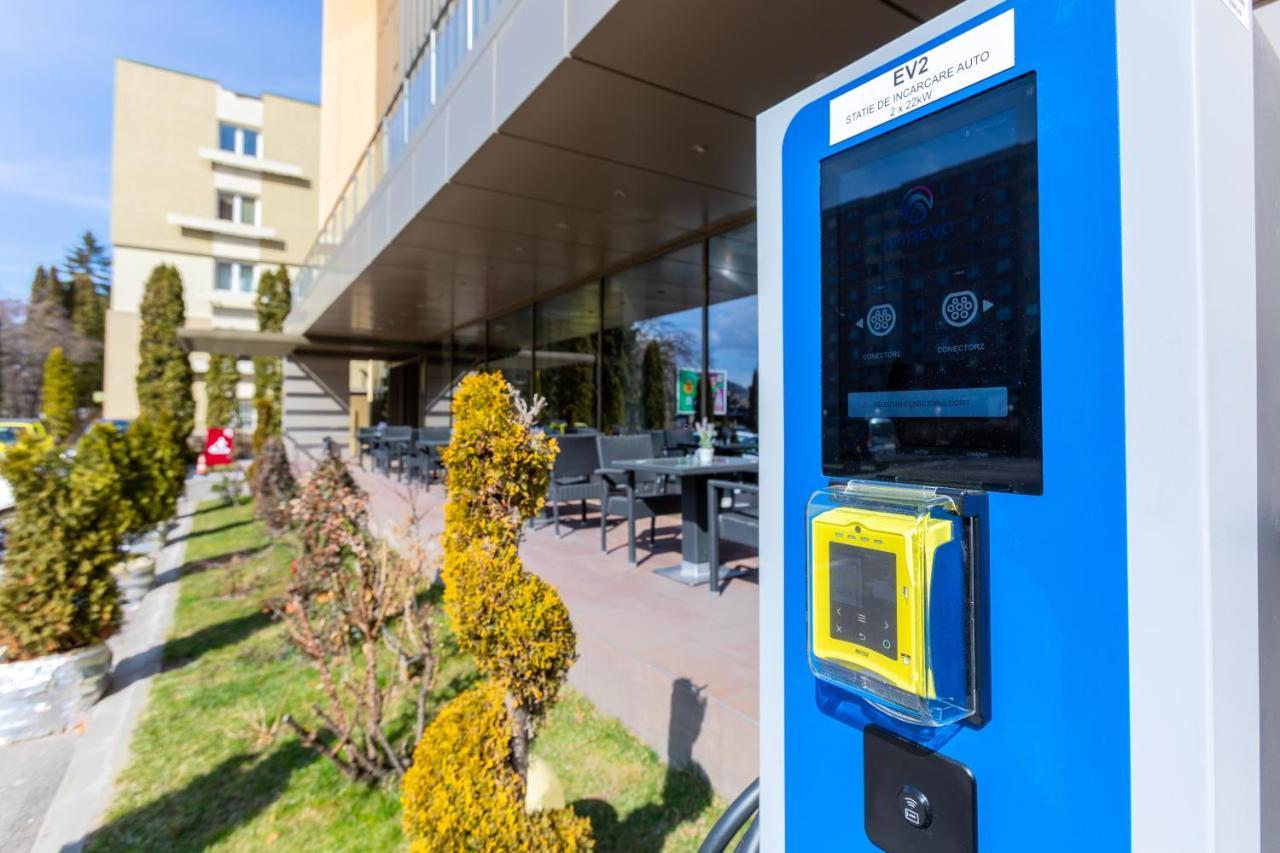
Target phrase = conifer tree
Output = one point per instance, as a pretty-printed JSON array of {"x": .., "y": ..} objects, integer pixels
[
  {"x": 220, "y": 391},
  {"x": 58, "y": 401},
  {"x": 89, "y": 315},
  {"x": 274, "y": 302},
  {"x": 48, "y": 288},
  {"x": 89, "y": 258},
  {"x": 164, "y": 373}
]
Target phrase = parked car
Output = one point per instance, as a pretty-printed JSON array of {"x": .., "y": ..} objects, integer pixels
[{"x": 13, "y": 429}]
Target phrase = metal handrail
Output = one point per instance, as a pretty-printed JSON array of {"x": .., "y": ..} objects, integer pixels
[{"x": 382, "y": 151}]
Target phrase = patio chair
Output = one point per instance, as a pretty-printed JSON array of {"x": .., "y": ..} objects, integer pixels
[
  {"x": 391, "y": 447},
  {"x": 423, "y": 460},
  {"x": 630, "y": 494},
  {"x": 678, "y": 442},
  {"x": 366, "y": 437},
  {"x": 573, "y": 477},
  {"x": 739, "y": 522}
]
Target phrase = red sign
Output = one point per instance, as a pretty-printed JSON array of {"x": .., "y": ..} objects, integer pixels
[{"x": 219, "y": 446}]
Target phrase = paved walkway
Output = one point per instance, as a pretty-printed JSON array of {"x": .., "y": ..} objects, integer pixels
[
  {"x": 677, "y": 666},
  {"x": 54, "y": 790}
]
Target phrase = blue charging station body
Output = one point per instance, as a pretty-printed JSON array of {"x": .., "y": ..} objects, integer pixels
[{"x": 1051, "y": 761}]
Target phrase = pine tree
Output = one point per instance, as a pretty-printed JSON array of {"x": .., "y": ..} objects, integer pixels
[
  {"x": 274, "y": 302},
  {"x": 89, "y": 314},
  {"x": 220, "y": 391},
  {"x": 89, "y": 258},
  {"x": 58, "y": 401},
  {"x": 164, "y": 373},
  {"x": 48, "y": 288}
]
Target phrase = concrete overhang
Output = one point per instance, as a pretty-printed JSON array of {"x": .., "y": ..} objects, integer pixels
[
  {"x": 280, "y": 344},
  {"x": 570, "y": 144}
]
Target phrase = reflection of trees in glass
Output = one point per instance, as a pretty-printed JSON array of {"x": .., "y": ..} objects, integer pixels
[
  {"x": 570, "y": 389},
  {"x": 654, "y": 384},
  {"x": 679, "y": 347},
  {"x": 753, "y": 401},
  {"x": 616, "y": 375}
]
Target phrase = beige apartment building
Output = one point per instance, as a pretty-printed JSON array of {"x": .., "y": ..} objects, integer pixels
[{"x": 220, "y": 185}]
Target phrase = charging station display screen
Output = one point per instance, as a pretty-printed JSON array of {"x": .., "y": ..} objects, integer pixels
[
  {"x": 864, "y": 609},
  {"x": 931, "y": 299}
]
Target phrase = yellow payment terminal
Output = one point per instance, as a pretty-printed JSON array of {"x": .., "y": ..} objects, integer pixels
[{"x": 870, "y": 585}]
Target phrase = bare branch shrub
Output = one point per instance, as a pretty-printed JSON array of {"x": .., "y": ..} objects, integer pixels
[{"x": 357, "y": 610}]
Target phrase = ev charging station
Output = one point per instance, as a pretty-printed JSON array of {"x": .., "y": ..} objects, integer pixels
[{"x": 1010, "y": 548}]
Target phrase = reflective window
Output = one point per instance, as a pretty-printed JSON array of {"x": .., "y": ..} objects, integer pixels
[
  {"x": 238, "y": 140},
  {"x": 232, "y": 275},
  {"x": 233, "y": 207},
  {"x": 222, "y": 276},
  {"x": 565, "y": 357},
  {"x": 732, "y": 360},
  {"x": 651, "y": 347},
  {"x": 438, "y": 381},
  {"x": 511, "y": 348}
]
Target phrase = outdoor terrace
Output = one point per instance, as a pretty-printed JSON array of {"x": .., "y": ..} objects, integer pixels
[{"x": 676, "y": 665}]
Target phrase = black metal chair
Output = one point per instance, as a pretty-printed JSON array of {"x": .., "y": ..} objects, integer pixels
[
  {"x": 678, "y": 442},
  {"x": 739, "y": 522},
  {"x": 631, "y": 494},
  {"x": 423, "y": 458},
  {"x": 392, "y": 446},
  {"x": 366, "y": 437},
  {"x": 573, "y": 477}
]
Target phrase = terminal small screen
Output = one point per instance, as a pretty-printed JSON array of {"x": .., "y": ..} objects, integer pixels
[
  {"x": 864, "y": 607},
  {"x": 931, "y": 299}
]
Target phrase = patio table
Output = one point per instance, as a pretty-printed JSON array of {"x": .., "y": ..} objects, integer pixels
[{"x": 695, "y": 535}]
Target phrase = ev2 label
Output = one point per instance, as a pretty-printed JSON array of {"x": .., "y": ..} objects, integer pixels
[{"x": 969, "y": 58}]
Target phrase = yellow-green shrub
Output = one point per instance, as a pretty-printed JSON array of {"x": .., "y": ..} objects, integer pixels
[
  {"x": 463, "y": 794},
  {"x": 466, "y": 788},
  {"x": 513, "y": 623}
]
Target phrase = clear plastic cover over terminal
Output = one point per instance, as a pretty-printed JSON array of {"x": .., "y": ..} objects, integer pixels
[{"x": 891, "y": 593}]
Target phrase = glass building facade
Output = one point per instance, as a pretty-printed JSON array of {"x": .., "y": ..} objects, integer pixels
[{"x": 654, "y": 346}]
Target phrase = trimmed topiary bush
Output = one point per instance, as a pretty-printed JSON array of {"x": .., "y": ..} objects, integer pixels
[
  {"x": 273, "y": 486},
  {"x": 467, "y": 786},
  {"x": 58, "y": 592},
  {"x": 462, "y": 792}
]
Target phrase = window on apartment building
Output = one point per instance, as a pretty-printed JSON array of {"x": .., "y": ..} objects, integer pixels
[
  {"x": 238, "y": 140},
  {"x": 246, "y": 415},
  {"x": 233, "y": 276},
  {"x": 233, "y": 207}
]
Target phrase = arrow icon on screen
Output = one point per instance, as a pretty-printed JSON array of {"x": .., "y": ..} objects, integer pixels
[
  {"x": 987, "y": 306},
  {"x": 860, "y": 323}
]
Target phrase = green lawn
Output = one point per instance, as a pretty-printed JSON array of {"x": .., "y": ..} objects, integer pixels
[{"x": 213, "y": 767}]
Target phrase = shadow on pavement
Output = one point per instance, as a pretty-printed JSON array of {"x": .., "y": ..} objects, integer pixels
[
  {"x": 208, "y": 807},
  {"x": 686, "y": 791}
]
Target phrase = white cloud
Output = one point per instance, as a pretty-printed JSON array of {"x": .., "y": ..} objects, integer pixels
[{"x": 72, "y": 184}]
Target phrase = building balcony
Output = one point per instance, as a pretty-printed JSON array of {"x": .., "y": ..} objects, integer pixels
[{"x": 534, "y": 144}]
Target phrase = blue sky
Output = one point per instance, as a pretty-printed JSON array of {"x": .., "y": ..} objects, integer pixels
[{"x": 56, "y": 93}]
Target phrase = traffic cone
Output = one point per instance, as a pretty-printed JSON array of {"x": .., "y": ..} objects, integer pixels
[{"x": 202, "y": 467}]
